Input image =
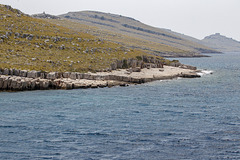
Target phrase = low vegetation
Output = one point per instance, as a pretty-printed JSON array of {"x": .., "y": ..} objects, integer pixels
[
  {"x": 129, "y": 41},
  {"x": 34, "y": 44},
  {"x": 134, "y": 34}
]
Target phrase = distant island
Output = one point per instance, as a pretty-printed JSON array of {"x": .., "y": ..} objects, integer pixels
[{"x": 221, "y": 43}]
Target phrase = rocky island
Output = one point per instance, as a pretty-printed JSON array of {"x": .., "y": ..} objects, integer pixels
[{"x": 37, "y": 54}]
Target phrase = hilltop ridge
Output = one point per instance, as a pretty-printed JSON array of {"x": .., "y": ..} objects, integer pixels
[{"x": 177, "y": 46}]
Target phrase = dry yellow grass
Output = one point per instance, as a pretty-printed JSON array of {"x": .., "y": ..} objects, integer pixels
[
  {"x": 130, "y": 41},
  {"x": 135, "y": 34},
  {"x": 34, "y": 44}
]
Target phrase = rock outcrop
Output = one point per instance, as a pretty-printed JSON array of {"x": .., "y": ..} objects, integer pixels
[
  {"x": 45, "y": 16},
  {"x": 140, "y": 62},
  {"x": 21, "y": 80}
]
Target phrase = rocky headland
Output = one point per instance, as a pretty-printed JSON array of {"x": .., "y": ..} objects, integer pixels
[
  {"x": 36, "y": 54},
  {"x": 21, "y": 80}
]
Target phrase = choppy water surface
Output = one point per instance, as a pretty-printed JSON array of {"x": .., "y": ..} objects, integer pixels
[{"x": 177, "y": 119}]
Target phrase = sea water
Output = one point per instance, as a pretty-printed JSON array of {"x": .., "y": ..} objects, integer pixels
[{"x": 173, "y": 119}]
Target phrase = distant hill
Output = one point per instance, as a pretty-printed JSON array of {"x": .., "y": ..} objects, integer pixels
[
  {"x": 169, "y": 44},
  {"x": 221, "y": 43},
  {"x": 189, "y": 38}
]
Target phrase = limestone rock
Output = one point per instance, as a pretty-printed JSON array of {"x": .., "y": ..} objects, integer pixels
[
  {"x": 189, "y": 75},
  {"x": 33, "y": 74},
  {"x": 52, "y": 75},
  {"x": 73, "y": 75},
  {"x": 187, "y": 67},
  {"x": 66, "y": 74},
  {"x": 23, "y": 73},
  {"x": 137, "y": 69},
  {"x": 6, "y": 71}
]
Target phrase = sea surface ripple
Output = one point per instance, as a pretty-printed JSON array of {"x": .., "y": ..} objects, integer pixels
[{"x": 173, "y": 119}]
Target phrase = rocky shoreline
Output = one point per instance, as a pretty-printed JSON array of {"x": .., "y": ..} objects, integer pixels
[{"x": 22, "y": 80}]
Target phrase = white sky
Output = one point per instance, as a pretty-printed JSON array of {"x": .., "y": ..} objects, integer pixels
[{"x": 196, "y": 18}]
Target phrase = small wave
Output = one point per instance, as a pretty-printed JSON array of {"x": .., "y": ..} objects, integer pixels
[
  {"x": 85, "y": 134},
  {"x": 9, "y": 126}
]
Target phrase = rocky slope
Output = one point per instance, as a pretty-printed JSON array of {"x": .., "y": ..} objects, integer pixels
[
  {"x": 222, "y": 43},
  {"x": 172, "y": 44},
  {"x": 37, "y": 54},
  {"x": 29, "y": 43}
]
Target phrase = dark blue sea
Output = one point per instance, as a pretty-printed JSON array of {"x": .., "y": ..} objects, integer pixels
[{"x": 184, "y": 119}]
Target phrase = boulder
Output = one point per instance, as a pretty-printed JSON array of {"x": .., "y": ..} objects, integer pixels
[
  {"x": 16, "y": 72},
  {"x": 52, "y": 75},
  {"x": 44, "y": 84},
  {"x": 175, "y": 64},
  {"x": 11, "y": 72},
  {"x": 137, "y": 69},
  {"x": 6, "y": 71},
  {"x": 187, "y": 67},
  {"x": 73, "y": 75},
  {"x": 43, "y": 75},
  {"x": 33, "y": 74},
  {"x": 66, "y": 74},
  {"x": 79, "y": 75},
  {"x": 86, "y": 76},
  {"x": 189, "y": 75},
  {"x": 23, "y": 73}
]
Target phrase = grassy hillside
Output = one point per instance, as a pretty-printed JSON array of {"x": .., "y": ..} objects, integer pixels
[
  {"x": 34, "y": 44},
  {"x": 130, "y": 41},
  {"x": 176, "y": 46}
]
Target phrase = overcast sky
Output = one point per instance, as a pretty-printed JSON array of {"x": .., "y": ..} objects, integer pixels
[{"x": 196, "y": 18}]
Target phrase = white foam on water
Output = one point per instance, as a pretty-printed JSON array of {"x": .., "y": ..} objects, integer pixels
[{"x": 205, "y": 72}]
